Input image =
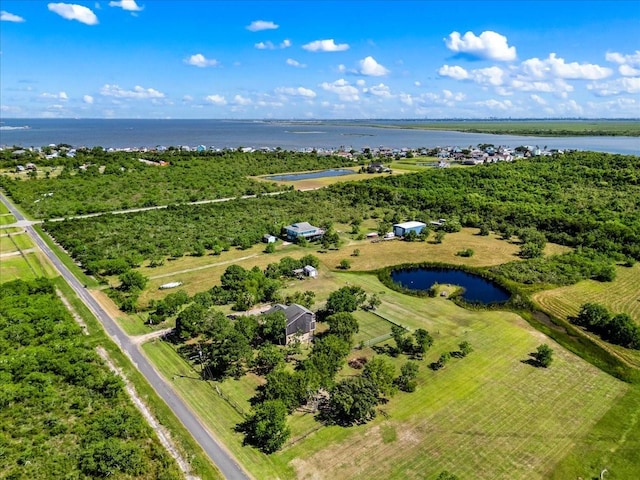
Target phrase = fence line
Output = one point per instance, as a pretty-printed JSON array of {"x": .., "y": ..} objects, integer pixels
[{"x": 231, "y": 403}]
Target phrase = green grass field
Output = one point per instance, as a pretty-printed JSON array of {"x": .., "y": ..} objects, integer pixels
[
  {"x": 620, "y": 296},
  {"x": 25, "y": 267},
  {"x": 7, "y": 219},
  {"x": 486, "y": 416},
  {"x": 3, "y": 209}
]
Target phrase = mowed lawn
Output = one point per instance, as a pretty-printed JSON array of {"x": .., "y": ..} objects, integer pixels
[
  {"x": 490, "y": 415},
  {"x": 620, "y": 296},
  {"x": 27, "y": 266}
]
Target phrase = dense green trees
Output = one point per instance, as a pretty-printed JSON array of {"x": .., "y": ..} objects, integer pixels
[
  {"x": 267, "y": 427},
  {"x": 187, "y": 177},
  {"x": 581, "y": 199},
  {"x": 619, "y": 329},
  {"x": 67, "y": 415}
]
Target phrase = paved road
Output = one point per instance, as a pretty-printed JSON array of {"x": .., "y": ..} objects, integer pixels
[{"x": 223, "y": 459}]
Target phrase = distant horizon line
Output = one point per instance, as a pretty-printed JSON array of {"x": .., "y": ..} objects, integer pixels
[{"x": 452, "y": 119}]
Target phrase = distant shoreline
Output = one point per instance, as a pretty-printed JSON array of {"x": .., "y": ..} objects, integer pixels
[{"x": 534, "y": 128}]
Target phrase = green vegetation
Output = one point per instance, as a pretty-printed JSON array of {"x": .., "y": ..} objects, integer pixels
[
  {"x": 500, "y": 195},
  {"x": 540, "y": 128},
  {"x": 99, "y": 181},
  {"x": 63, "y": 412},
  {"x": 618, "y": 329}
]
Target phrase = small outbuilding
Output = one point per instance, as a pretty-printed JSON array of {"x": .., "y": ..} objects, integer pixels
[
  {"x": 310, "y": 271},
  {"x": 402, "y": 229},
  {"x": 266, "y": 238}
]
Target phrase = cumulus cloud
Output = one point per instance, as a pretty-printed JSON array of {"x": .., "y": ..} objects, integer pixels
[
  {"x": 369, "y": 67},
  {"x": 629, "y": 65},
  {"x": 10, "y": 17},
  {"x": 558, "y": 86},
  {"x": 296, "y": 92},
  {"x": 71, "y": 11},
  {"x": 258, "y": 25},
  {"x": 455, "y": 72},
  {"x": 325, "y": 46},
  {"x": 264, "y": 45},
  {"x": 616, "y": 87},
  {"x": 380, "y": 90},
  {"x": 632, "y": 59},
  {"x": 128, "y": 5},
  {"x": 556, "y": 67},
  {"x": 216, "y": 99},
  {"x": 87, "y": 99},
  {"x": 295, "y": 63},
  {"x": 240, "y": 100},
  {"x": 496, "y": 104},
  {"x": 342, "y": 88},
  {"x": 199, "y": 60},
  {"x": 57, "y": 96},
  {"x": 138, "y": 92},
  {"x": 270, "y": 46},
  {"x": 489, "y": 45},
  {"x": 488, "y": 76},
  {"x": 538, "y": 99}
]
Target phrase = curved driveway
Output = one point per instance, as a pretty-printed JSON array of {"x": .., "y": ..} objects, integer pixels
[{"x": 221, "y": 457}]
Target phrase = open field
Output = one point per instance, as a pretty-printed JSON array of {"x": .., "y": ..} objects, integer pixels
[
  {"x": 3, "y": 209},
  {"x": 8, "y": 230},
  {"x": 620, "y": 296},
  {"x": 487, "y": 416},
  {"x": 7, "y": 219},
  {"x": 25, "y": 267},
  {"x": 538, "y": 127},
  {"x": 201, "y": 273}
]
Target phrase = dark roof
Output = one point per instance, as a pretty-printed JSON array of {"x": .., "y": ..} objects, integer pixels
[{"x": 299, "y": 318}]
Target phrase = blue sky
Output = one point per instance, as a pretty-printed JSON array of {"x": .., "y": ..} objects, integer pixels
[{"x": 320, "y": 59}]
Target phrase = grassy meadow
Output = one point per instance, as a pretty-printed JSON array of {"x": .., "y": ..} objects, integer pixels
[
  {"x": 489, "y": 415},
  {"x": 620, "y": 296}
]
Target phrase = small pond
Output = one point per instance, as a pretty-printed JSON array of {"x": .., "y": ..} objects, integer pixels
[
  {"x": 476, "y": 289},
  {"x": 292, "y": 177}
]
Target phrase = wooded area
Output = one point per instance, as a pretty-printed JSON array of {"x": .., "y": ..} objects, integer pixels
[{"x": 63, "y": 413}]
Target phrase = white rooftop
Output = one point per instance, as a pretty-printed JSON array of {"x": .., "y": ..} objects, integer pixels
[{"x": 410, "y": 224}]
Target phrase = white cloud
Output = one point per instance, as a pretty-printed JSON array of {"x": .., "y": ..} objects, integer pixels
[
  {"x": 488, "y": 76},
  {"x": 57, "y": 96},
  {"x": 342, "y": 88},
  {"x": 369, "y": 67},
  {"x": 199, "y": 60},
  {"x": 138, "y": 92},
  {"x": 361, "y": 82},
  {"x": 325, "y": 46},
  {"x": 489, "y": 45},
  {"x": 380, "y": 90},
  {"x": 455, "y": 72},
  {"x": 87, "y": 99},
  {"x": 524, "y": 84},
  {"x": 616, "y": 87},
  {"x": 628, "y": 71},
  {"x": 216, "y": 99},
  {"x": 187, "y": 98},
  {"x": 264, "y": 45},
  {"x": 296, "y": 92},
  {"x": 538, "y": 99},
  {"x": 10, "y": 17},
  {"x": 71, "y": 11},
  {"x": 268, "y": 45},
  {"x": 259, "y": 25},
  {"x": 417, "y": 83},
  {"x": 633, "y": 59},
  {"x": 295, "y": 63},
  {"x": 496, "y": 104},
  {"x": 128, "y": 5},
  {"x": 240, "y": 100},
  {"x": 556, "y": 67}
]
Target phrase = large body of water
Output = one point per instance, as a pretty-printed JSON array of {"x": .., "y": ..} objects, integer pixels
[{"x": 286, "y": 135}]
